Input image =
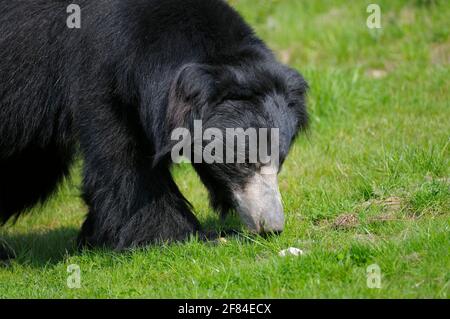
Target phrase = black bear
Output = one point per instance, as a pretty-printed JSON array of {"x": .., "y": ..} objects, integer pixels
[{"x": 113, "y": 89}]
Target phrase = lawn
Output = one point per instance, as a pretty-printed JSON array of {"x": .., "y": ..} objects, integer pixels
[{"x": 368, "y": 184}]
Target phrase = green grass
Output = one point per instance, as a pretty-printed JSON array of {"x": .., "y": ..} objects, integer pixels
[{"x": 369, "y": 184}]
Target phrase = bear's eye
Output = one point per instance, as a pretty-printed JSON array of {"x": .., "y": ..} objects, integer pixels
[
  {"x": 292, "y": 104},
  {"x": 256, "y": 167}
]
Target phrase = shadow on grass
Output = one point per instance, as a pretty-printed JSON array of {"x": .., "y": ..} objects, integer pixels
[
  {"x": 215, "y": 227},
  {"x": 230, "y": 228},
  {"x": 39, "y": 248},
  {"x": 50, "y": 247}
]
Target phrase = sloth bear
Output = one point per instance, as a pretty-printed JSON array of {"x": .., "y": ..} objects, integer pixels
[{"x": 113, "y": 90}]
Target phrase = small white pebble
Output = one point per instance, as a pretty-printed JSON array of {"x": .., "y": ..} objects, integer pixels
[{"x": 292, "y": 251}]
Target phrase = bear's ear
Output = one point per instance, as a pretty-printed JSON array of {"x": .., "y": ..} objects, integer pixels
[
  {"x": 297, "y": 85},
  {"x": 193, "y": 88}
]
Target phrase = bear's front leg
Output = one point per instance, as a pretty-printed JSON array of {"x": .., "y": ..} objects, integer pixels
[
  {"x": 130, "y": 211},
  {"x": 130, "y": 202}
]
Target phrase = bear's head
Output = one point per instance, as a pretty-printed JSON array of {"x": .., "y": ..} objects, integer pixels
[{"x": 269, "y": 99}]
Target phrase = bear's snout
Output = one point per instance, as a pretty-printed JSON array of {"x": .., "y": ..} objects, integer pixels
[{"x": 259, "y": 204}]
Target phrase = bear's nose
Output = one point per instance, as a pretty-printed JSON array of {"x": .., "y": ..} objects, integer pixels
[{"x": 272, "y": 221}]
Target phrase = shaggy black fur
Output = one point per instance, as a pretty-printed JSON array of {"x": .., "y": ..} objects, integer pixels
[{"x": 115, "y": 89}]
